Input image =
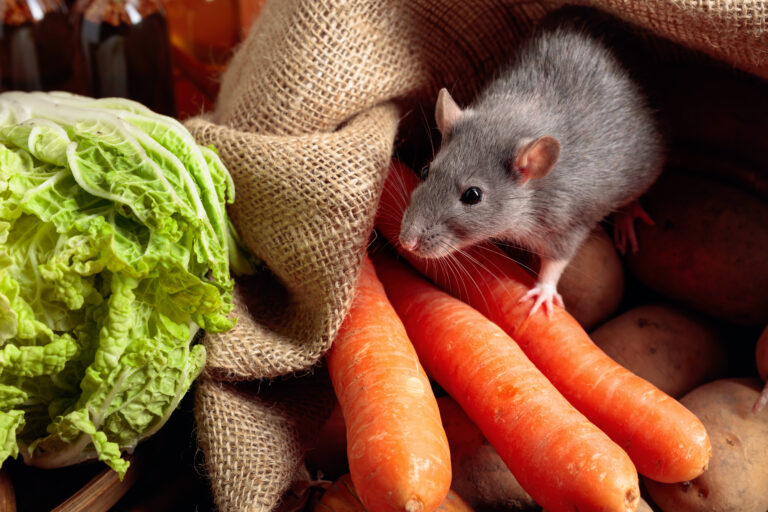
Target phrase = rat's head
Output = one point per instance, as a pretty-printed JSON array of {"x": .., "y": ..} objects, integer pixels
[{"x": 479, "y": 185}]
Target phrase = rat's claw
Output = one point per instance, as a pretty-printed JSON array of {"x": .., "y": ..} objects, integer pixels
[
  {"x": 543, "y": 293},
  {"x": 624, "y": 226}
]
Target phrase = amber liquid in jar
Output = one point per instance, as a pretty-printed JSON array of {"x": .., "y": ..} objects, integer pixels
[
  {"x": 203, "y": 36},
  {"x": 36, "y": 46},
  {"x": 125, "y": 51}
]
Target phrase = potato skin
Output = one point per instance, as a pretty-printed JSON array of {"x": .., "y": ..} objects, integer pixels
[
  {"x": 737, "y": 477},
  {"x": 592, "y": 284},
  {"x": 673, "y": 349},
  {"x": 708, "y": 249}
]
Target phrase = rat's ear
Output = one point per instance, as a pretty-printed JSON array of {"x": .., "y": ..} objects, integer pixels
[
  {"x": 536, "y": 158},
  {"x": 447, "y": 112}
]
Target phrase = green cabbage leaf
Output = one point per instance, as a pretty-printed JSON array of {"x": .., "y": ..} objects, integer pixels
[{"x": 115, "y": 253}]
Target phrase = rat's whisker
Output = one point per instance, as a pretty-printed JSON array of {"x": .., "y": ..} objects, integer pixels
[
  {"x": 464, "y": 260},
  {"x": 389, "y": 217},
  {"x": 397, "y": 189},
  {"x": 524, "y": 265},
  {"x": 445, "y": 266},
  {"x": 457, "y": 270},
  {"x": 400, "y": 193},
  {"x": 489, "y": 267},
  {"x": 428, "y": 129}
]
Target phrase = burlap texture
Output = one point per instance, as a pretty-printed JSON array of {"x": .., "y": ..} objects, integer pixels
[
  {"x": 733, "y": 31},
  {"x": 306, "y": 121},
  {"x": 235, "y": 423},
  {"x": 304, "y": 205}
]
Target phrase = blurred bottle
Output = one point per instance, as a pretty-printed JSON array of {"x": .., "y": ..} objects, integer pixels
[
  {"x": 36, "y": 46},
  {"x": 124, "y": 50},
  {"x": 204, "y": 35},
  {"x": 249, "y": 11}
]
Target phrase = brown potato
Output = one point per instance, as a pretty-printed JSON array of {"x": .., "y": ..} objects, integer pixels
[
  {"x": 593, "y": 283},
  {"x": 673, "y": 349},
  {"x": 708, "y": 249},
  {"x": 737, "y": 477}
]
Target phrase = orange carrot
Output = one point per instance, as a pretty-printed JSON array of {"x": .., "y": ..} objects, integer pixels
[
  {"x": 558, "y": 456},
  {"x": 397, "y": 449},
  {"x": 665, "y": 440}
]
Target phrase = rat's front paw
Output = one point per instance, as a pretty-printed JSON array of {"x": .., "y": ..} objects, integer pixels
[{"x": 543, "y": 293}]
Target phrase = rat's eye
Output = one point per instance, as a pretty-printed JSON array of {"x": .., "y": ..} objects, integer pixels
[
  {"x": 423, "y": 172},
  {"x": 472, "y": 195}
]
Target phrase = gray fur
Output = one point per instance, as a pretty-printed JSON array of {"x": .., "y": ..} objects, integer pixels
[{"x": 562, "y": 83}]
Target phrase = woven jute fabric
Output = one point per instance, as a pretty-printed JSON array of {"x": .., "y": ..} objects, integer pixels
[
  {"x": 306, "y": 123},
  {"x": 304, "y": 205},
  {"x": 734, "y": 31},
  {"x": 252, "y": 441}
]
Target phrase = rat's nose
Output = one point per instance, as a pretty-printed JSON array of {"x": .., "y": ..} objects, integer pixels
[{"x": 410, "y": 243}]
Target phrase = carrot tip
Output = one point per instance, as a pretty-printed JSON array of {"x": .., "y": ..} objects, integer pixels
[{"x": 414, "y": 505}]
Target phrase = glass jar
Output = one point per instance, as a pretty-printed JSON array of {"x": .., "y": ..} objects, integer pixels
[
  {"x": 124, "y": 50},
  {"x": 36, "y": 46},
  {"x": 203, "y": 34}
]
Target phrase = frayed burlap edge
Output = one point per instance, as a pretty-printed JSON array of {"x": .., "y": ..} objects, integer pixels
[
  {"x": 309, "y": 227},
  {"x": 257, "y": 437}
]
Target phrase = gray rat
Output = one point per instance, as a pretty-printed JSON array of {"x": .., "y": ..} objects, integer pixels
[{"x": 560, "y": 139}]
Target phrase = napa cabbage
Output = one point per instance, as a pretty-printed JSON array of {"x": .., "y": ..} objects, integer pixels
[{"x": 115, "y": 253}]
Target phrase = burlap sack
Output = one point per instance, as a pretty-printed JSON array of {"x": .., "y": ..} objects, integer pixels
[{"x": 306, "y": 122}]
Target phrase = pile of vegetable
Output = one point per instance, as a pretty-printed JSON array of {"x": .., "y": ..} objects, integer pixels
[
  {"x": 561, "y": 411},
  {"x": 114, "y": 253}
]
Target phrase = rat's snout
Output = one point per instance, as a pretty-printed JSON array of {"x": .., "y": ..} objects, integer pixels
[
  {"x": 412, "y": 232},
  {"x": 409, "y": 242},
  {"x": 409, "y": 236}
]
